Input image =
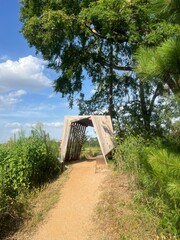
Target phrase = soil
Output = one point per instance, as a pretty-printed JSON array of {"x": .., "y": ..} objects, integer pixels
[{"x": 72, "y": 216}]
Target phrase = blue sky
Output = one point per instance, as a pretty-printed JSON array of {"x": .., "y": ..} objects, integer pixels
[{"x": 26, "y": 93}]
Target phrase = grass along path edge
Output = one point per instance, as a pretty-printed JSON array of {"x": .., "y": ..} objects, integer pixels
[{"x": 41, "y": 201}]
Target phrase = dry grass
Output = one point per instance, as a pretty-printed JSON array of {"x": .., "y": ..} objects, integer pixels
[
  {"x": 40, "y": 202},
  {"x": 118, "y": 218}
]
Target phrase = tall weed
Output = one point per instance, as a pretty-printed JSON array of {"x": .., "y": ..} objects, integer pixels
[
  {"x": 166, "y": 172},
  {"x": 24, "y": 164},
  {"x": 156, "y": 173},
  {"x": 130, "y": 155}
]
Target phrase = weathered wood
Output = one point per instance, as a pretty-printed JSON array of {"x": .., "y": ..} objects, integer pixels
[{"x": 74, "y": 133}]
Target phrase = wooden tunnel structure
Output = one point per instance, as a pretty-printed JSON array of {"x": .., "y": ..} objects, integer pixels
[{"x": 74, "y": 132}]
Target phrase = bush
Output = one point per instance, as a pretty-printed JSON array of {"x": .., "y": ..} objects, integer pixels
[
  {"x": 25, "y": 163},
  {"x": 130, "y": 154},
  {"x": 42, "y": 154},
  {"x": 156, "y": 173},
  {"x": 173, "y": 138}
]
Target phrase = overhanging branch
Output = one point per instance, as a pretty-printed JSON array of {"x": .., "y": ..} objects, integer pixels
[
  {"x": 116, "y": 39},
  {"x": 95, "y": 32},
  {"x": 116, "y": 67}
]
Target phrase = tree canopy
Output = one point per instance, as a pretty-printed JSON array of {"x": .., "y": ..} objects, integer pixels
[
  {"x": 77, "y": 35},
  {"x": 96, "y": 40}
]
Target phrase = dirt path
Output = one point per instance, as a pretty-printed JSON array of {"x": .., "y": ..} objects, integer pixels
[{"x": 71, "y": 218}]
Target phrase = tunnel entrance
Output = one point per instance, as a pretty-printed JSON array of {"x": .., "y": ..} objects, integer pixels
[{"x": 74, "y": 132}]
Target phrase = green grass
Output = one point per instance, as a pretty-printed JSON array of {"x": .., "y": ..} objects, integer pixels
[{"x": 88, "y": 152}]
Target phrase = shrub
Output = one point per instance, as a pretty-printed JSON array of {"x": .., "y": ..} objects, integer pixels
[
  {"x": 156, "y": 173},
  {"x": 130, "y": 154},
  {"x": 24, "y": 164}
]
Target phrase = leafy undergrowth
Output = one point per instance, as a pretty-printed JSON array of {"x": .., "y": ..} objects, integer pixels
[
  {"x": 26, "y": 164},
  {"x": 88, "y": 152},
  {"x": 39, "y": 202},
  {"x": 118, "y": 217},
  {"x": 154, "y": 171}
]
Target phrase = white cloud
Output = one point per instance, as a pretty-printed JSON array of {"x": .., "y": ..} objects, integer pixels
[
  {"x": 53, "y": 124},
  {"x": 18, "y": 93},
  {"x": 3, "y": 57},
  {"x": 15, "y": 130},
  {"x": 11, "y": 98},
  {"x": 27, "y": 72},
  {"x": 18, "y": 125},
  {"x": 51, "y": 95},
  {"x": 8, "y": 129},
  {"x": 94, "y": 90},
  {"x": 13, "y": 124},
  {"x": 42, "y": 107}
]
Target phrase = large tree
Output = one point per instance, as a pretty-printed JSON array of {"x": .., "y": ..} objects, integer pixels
[
  {"x": 90, "y": 35},
  {"x": 95, "y": 39}
]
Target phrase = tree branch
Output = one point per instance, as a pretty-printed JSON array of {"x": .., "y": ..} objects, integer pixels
[
  {"x": 95, "y": 32},
  {"x": 120, "y": 40},
  {"x": 156, "y": 93},
  {"x": 121, "y": 68}
]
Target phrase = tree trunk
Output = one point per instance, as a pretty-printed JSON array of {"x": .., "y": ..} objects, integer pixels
[
  {"x": 146, "y": 114},
  {"x": 111, "y": 76}
]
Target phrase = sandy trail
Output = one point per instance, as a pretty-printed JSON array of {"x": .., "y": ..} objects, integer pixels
[{"x": 71, "y": 218}]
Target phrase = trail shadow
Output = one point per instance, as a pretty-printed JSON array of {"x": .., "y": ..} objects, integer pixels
[{"x": 9, "y": 225}]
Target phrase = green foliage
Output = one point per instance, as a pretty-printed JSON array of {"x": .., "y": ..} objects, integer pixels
[
  {"x": 168, "y": 9},
  {"x": 96, "y": 40},
  {"x": 174, "y": 136},
  {"x": 42, "y": 156},
  {"x": 90, "y": 148},
  {"x": 91, "y": 142},
  {"x": 166, "y": 169},
  {"x": 155, "y": 171},
  {"x": 131, "y": 155},
  {"x": 24, "y": 164},
  {"x": 89, "y": 152},
  {"x": 139, "y": 105},
  {"x": 162, "y": 61}
]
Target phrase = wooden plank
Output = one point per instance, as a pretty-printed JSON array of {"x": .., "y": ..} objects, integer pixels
[
  {"x": 74, "y": 133},
  {"x": 104, "y": 131}
]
